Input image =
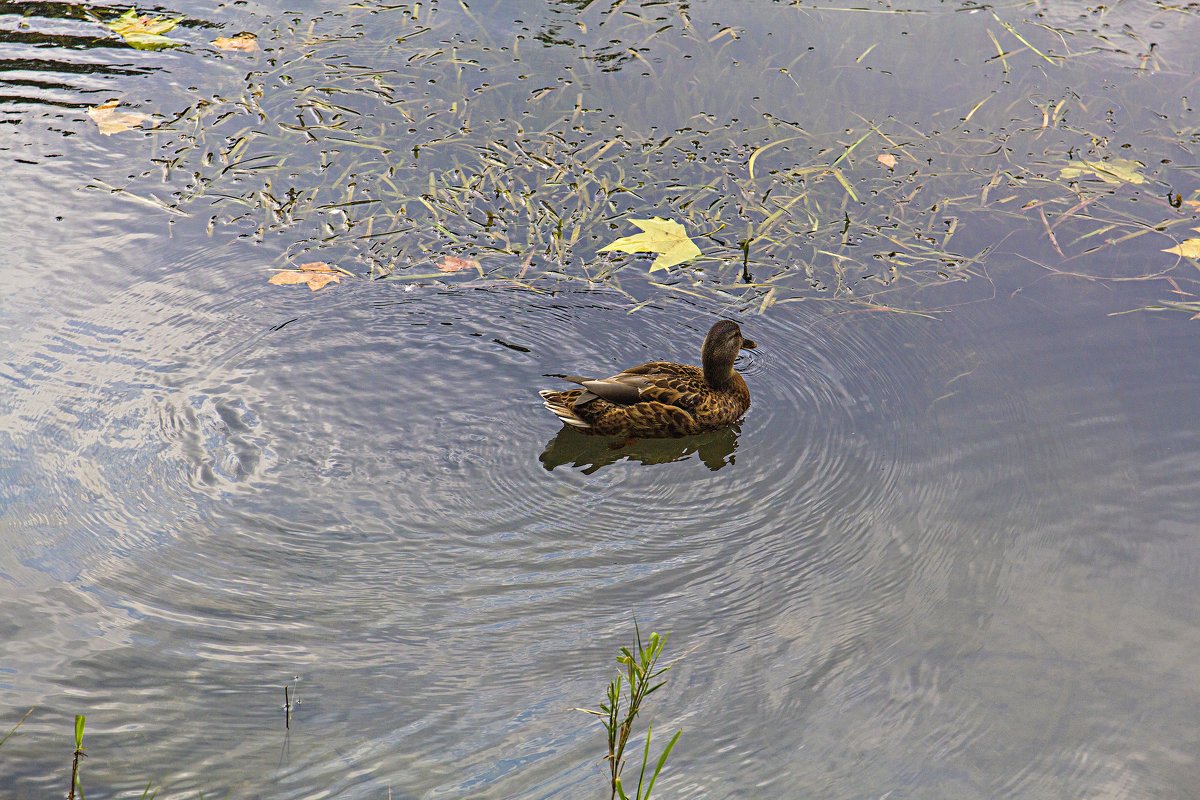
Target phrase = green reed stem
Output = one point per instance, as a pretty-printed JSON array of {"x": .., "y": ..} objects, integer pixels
[{"x": 637, "y": 678}]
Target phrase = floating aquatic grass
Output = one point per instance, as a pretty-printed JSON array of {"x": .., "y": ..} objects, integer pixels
[{"x": 395, "y": 136}]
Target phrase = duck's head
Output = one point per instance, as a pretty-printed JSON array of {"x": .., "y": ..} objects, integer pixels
[{"x": 721, "y": 348}]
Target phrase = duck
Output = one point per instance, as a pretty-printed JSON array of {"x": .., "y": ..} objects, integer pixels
[{"x": 661, "y": 399}]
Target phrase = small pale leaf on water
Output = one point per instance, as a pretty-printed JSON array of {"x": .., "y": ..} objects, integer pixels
[
  {"x": 454, "y": 264},
  {"x": 1115, "y": 171},
  {"x": 887, "y": 159},
  {"x": 1188, "y": 248},
  {"x": 111, "y": 121},
  {"x": 316, "y": 274},
  {"x": 665, "y": 237},
  {"x": 242, "y": 43},
  {"x": 144, "y": 33}
]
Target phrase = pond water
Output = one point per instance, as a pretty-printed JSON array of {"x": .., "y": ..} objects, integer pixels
[{"x": 951, "y": 552}]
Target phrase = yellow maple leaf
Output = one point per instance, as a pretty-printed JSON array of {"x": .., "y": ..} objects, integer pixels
[
  {"x": 315, "y": 273},
  {"x": 1115, "y": 171},
  {"x": 1188, "y": 248},
  {"x": 243, "y": 42},
  {"x": 663, "y": 236},
  {"x": 144, "y": 33},
  {"x": 111, "y": 121}
]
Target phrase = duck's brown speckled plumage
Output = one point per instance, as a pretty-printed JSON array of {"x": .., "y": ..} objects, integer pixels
[{"x": 661, "y": 398}]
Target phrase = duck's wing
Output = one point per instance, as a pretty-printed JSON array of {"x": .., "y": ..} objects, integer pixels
[{"x": 654, "y": 382}]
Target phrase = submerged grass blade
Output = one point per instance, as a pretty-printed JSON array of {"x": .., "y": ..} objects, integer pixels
[
  {"x": 758, "y": 153},
  {"x": 1024, "y": 41},
  {"x": 14, "y": 728}
]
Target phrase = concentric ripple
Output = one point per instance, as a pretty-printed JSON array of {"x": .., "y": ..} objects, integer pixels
[{"x": 362, "y": 489}]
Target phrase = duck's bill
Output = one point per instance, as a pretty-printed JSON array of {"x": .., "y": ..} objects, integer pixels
[{"x": 748, "y": 344}]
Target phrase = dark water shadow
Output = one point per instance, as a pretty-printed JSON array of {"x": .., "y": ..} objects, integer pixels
[
  {"x": 60, "y": 56},
  {"x": 591, "y": 453}
]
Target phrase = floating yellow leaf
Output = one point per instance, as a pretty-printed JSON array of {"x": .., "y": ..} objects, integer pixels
[
  {"x": 887, "y": 159},
  {"x": 144, "y": 33},
  {"x": 242, "y": 43},
  {"x": 454, "y": 264},
  {"x": 316, "y": 274},
  {"x": 111, "y": 121},
  {"x": 663, "y": 236},
  {"x": 1115, "y": 171},
  {"x": 1188, "y": 248}
]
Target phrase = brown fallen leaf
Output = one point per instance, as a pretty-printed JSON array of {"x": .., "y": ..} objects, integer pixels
[
  {"x": 316, "y": 274},
  {"x": 242, "y": 43},
  {"x": 111, "y": 121},
  {"x": 454, "y": 264},
  {"x": 887, "y": 159}
]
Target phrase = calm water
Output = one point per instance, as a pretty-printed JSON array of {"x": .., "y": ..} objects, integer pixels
[{"x": 946, "y": 555}]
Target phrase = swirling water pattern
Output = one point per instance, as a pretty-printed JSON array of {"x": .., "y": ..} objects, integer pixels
[
  {"x": 948, "y": 558},
  {"x": 354, "y": 492}
]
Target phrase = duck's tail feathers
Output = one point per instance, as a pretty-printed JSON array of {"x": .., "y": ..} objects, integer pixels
[
  {"x": 571, "y": 378},
  {"x": 557, "y": 405}
]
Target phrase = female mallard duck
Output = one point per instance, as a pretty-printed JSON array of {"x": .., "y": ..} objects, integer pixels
[{"x": 661, "y": 398}]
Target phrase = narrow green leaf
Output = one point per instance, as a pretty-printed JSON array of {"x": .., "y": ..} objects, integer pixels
[
  {"x": 645, "y": 761},
  {"x": 662, "y": 759},
  {"x": 79, "y": 723},
  {"x": 850, "y": 149},
  {"x": 841, "y": 178},
  {"x": 754, "y": 156},
  {"x": 1026, "y": 42}
]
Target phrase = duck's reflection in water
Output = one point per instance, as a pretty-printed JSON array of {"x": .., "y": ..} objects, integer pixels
[{"x": 590, "y": 453}]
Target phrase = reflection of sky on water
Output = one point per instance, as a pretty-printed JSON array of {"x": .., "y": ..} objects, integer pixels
[{"x": 942, "y": 557}]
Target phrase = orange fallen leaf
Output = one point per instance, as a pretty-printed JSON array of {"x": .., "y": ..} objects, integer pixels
[
  {"x": 454, "y": 264},
  {"x": 242, "y": 43},
  {"x": 317, "y": 274},
  {"x": 887, "y": 159},
  {"x": 111, "y": 121}
]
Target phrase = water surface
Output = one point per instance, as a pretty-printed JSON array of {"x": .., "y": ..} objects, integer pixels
[{"x": 948, "y": 554}]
